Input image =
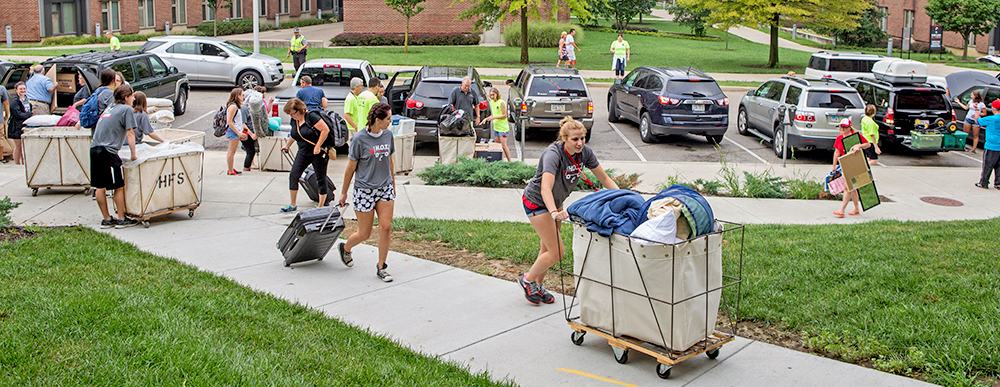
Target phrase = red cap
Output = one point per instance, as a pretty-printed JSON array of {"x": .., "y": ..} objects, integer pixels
[{"x": 996, "y": 104}]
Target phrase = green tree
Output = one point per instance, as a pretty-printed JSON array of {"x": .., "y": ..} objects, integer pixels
[
  {"x": 621, "y": 11},
  {"x": 965, "y": 17},
  {"x": 724, "y": 15},
  {"x": 869, "y": 31},
  {"x": 489, "y": 12},
  {"x": 690, "y": 15},
  {"x": 214, "y": 5},
  {"x": 408, "y": 8}
]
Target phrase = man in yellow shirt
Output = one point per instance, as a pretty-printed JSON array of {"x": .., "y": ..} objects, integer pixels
[
  {"x": 622, "y": 53},
  {"x": 352, "y": 108},
  {"x": 115, "y": 44}
]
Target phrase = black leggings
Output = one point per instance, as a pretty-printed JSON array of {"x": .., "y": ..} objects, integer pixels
[
  {"x": 249, "y": 145},
  {"x": 303, "y": 158}
]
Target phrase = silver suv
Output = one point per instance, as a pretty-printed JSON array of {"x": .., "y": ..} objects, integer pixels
[
  {"x": 214, "y": 61},
  {"x": 819, "y": 104},
  {"x": 544, "y": 95}
]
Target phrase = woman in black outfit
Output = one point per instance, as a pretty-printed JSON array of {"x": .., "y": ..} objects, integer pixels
[
  {"x": 310, "y": 151},
  {"x": 20, "y": 110}
]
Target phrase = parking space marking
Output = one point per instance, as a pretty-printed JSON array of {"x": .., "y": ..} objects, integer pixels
[
  {"x": 620, "y": 134},
  {"x": 962, "y": 153},
  {"x": 196, "y": 120},
  {"x": 746, "y": 150},
  {"x": 581, "y": 373}
]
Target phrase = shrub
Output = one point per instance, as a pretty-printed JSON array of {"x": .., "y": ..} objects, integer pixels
[
  {"x": 632, "y": 28},
  {"x": 623, "y": 180},
  {"x": 75, "y": 40},
  {"x": 5, "y": 206},
  {"x": 387, "y": 39},
  {"x": 479, "y": 173},
  {"x": 539, "y": 34},
  {"x": 243, "y": 26},
  {"x": 675, "y": 35}
]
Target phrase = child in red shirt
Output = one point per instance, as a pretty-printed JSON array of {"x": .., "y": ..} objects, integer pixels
[{"x": 852, "y": 194}]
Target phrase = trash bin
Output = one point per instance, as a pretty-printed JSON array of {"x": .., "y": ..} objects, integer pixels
[
  {"x": 270, "y": 158},
  {"x": 177, "y": 136},
  {"x": 449, "y": 148},
  {"x": 402, "y": 159},
  {"x": 165, "y": 179},
  {"x": 56, "y": 156}
]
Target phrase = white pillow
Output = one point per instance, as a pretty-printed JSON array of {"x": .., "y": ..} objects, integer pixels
[
  {"x": 161, "y": 102},
  {"x": 162, "y": 116},
  {"x": 42, "y": 120}
]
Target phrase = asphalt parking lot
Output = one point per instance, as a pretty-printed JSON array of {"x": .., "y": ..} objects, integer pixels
[{"x": 617, "y": 141}]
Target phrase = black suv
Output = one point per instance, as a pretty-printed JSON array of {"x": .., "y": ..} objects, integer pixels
[
  {"x": 670, "y": 100},
  {"x": 144, "y": 72},
  {"x": 898, "y": 105},
  {"x": 542, "y": 95},
  {"x": 423, "y": 97}
]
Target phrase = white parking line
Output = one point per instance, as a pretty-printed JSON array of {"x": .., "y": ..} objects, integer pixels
[
  {"x": 746, "y": 150},
  {"x": 628, "y": 142},
  {"x": 196, "y": 120},
  {"x": 962, "y": 153}
]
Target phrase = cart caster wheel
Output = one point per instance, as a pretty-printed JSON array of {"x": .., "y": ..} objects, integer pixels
[
  {"x": 190, "y": 213},
  {"x": 663, "y": 370},
  {"x": 621, "y": 355},
  {"x": 577, "y": 337},
  {"x": 34, "y": 192},
  {"x": 713, "y": 353},
  {"x": 145, "y": 224}
]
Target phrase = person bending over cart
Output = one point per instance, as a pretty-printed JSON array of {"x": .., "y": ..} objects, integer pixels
[
  {"x": 559, "y": 168},
  {"x": 310, "y": 151},
  {"x": 114, "y": 126},
  {"x": 369, "y": 163}
]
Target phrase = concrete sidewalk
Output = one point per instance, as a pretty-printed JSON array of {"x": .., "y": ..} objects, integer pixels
[{"x": 443, "y": 311}]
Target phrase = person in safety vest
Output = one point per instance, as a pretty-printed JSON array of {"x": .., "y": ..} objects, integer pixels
[{"x": 297, "y": 49}]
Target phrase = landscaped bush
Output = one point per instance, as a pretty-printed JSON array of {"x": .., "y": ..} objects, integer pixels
[
  {"x": 479, "y": 173},
  {"x": 366, "y": 39},
  {"x": 75, "y": 40},
  {"x": 539, "y": 34},
  {"x": 5, "y": 206},
  {"x": 244, "y": 26},
  {"x": 675, "y": 35},
  {"x": 624, "y": 180},
  {"x": 633, "y": 28}
]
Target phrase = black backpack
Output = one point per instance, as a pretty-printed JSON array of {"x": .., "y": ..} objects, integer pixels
[{"x": 337, "y": 125}]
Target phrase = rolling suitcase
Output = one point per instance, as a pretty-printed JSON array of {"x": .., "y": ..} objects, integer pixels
[
  {"x": 311, "y": 235},
  {"x": 310, "y": 183}
]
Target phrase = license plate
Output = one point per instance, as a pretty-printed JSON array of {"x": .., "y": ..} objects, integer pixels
[
  {"x": 836, "y": 119},
  {"x": 558, "y": 108},
  {"x": 698, "y": 108}
]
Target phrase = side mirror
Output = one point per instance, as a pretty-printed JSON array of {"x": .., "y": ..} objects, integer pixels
[
  {"x": 487, "y": 84},
  {"x": 383, "y": 76},
  {"x": 752, "y": 93},
  {"x": 223, "y": 54},
  {"x": 509, "y": 82},
  {"x": 173, "y": 70}
]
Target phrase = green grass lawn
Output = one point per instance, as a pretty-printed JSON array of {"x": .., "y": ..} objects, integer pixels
[
  {"x": 78, "y": 307},
  {"x": 919, "y": 299}
]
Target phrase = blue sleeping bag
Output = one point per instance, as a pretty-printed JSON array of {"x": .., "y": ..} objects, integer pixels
[
  {"x": 610, "y": 210},
  {"x": 704, "y": 219}
]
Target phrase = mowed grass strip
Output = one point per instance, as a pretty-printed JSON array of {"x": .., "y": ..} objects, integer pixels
[
  {"x": 78, "y": 307},
  {"x": 915, "y": 298}
]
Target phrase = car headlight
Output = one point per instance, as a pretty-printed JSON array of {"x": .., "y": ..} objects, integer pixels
[{"x": 270, "y": 66}]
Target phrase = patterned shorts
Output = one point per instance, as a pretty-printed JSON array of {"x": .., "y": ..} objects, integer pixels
[{"x": 365, "y": 198}]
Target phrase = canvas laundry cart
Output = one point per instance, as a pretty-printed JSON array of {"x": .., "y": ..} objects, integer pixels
[
  {"x": 402, "y": 158},
  {"x": 270, "y": 158},
  {"x": 165, "y": 179},
  {"x": 178, "y": 136},
  {"x": 56, "y": 156},
  {"x": 659, "y": 299}
]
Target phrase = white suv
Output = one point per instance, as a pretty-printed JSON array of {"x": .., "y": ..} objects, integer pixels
[{"x": 841, "y": 65}]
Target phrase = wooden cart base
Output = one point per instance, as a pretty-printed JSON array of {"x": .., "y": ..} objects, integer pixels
[
  {"x": 665, "y": 358},
  {"x": 145, "y": 218}
]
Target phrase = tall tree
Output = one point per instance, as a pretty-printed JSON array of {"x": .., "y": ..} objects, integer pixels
[
  {"x": 489, "y": 12},
  {"x": 621, "y": 11},
  {"x": 213, "y": 5},
  {"x": 965, "y": 17},
  {"x": 869, "y": 32},
  {"x": 408, "y": 8},
  {"x": 724, "y": 15}
]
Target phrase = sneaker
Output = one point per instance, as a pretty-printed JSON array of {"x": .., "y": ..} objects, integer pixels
[
  {"x": 109, "y": 223},
  {"x": 126, "y": 222},
  {"x": 345, "y": 257},
  {"x": 382, "y": 274},
  {"x": 547, "y": 297},
  {"x": 981, "y": 185},
  {"x": 531, "y": 292},
  {"x": 289, "y": 208},
  {"x": 233, "y": 173}
]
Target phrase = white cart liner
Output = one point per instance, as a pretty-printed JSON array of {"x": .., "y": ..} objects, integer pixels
[
  {"x": 178, "y": 136},
  {"x": 270, "y": 157},
  {"x": 57, "y": 156},
  {"x": 165, "y": 177},
  {"x": 683, "y": 283},
  {"x": 402, "y": 158}
]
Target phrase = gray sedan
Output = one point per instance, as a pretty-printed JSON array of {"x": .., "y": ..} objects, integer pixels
[{"x": 214, "y": 61}]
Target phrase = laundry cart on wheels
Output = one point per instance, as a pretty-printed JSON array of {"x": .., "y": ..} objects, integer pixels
[
  {"x": 659, "y": 299},
  {"x": 56, "y": 156},
  {"x": 165, "y": 179}
]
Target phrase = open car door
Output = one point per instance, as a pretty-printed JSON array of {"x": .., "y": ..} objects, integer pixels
[{"x": 397, "y": 95}]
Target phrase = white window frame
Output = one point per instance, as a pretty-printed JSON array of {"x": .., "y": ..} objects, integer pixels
[
  {"x": 206, "y": 11},
  {"x": 178, "y": 12},
  {"x": 885, "y": 19},
  {"x": 147, "y": 17},
  {"x": 972, "y": 39},
  {"x": 111, "y": 15},
  {"x": 283, "y": 7},
  {"x": 305, "y": 6},
  {"x": 236, "y": 9},
  {"x": 908, "y": 19}
]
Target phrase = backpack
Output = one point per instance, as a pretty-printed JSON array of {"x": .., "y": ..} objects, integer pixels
[
  {"x": 89, "y": 113},
  {"x": 338, "y": 130},
  {"x": 219, "y": 123}
]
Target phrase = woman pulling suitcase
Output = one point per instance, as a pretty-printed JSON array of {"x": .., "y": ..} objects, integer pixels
[
  {"x": 310, "y": 152},
  {"x": 370, "y": 165}
]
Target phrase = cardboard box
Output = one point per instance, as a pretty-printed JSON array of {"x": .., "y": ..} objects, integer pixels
[
  {"x": 66, "y": 83},
  {"x": 855, "y": 169},
  {"x": 489, "y": 151}
]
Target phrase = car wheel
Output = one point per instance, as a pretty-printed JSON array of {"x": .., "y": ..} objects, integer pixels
[
  {"x": 613, "y": 110},
  {"x": 715, "y": 140},
  {"x": 741, "y": 122},
  {"x": 778, "y": 142},
  {"x": 645, "y": 130},
  {"x": 515, "y": 130},
  {"x": 180, "y": 105},
  {"x": 249, "y": 79},
  {"x": 587, "y": 138}
]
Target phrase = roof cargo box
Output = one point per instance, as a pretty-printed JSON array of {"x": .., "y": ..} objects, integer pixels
[{"x": 900, "y": 71}]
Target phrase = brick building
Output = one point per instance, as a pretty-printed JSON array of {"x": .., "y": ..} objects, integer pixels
[
  {"x": 912, "y": 14},
  {"x": 31, "y": 21},
  {"x": 438, "y": 16}
]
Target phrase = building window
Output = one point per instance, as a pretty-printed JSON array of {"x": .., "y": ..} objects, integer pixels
[
  {"x": 178, "y": 12},
  {"x": 146, "y": 13},
  {"x": 305, "y": 5},
  {"x": 885, "y": 19},
  {"x": 207, "y": 12},
  {"x": 282, "y": 6},
  {"x": 236, "y": 9},
  {"x": 109, "y": 16},
  {"x": 908, "y": 19},
  {"x": 263, "y": 7},
  {"x": 972, "y": 40}
]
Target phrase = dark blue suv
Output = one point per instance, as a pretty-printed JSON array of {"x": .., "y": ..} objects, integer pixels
[{"x": 670, "y": 100}]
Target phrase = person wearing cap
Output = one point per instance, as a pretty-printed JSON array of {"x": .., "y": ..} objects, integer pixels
[
  {"x": 991, "y": 157},
  {"x": 297, "y": 49},
  {"x": 838, "y": 145}
]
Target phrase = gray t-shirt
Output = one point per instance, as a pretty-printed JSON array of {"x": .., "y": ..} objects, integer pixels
[
  {"x": 142, "y": 127},
  {"x": 111, "y": 127},
  {"x": 463, "y": 101},
  {"x": 105, "y": 98},
  {"x": 374, "y": 155},
  {"x": 4, "y": 97},
  {"x": 554, "y": 160}
]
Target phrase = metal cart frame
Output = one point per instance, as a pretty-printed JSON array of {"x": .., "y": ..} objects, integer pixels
[{"x": 666, "y": 358}]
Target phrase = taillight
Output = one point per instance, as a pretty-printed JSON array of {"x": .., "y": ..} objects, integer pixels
[
  {"x": 953, "y": 116},
  {"x": 669, "y": 101},
  {"x": 274, "y": 110},
  {"x": 590, "y": 107},
  {"x": 483, "y": 105},
  {"x": 805, "y": 117},
  {"x": 723, "y": 102},
  {"x": 413, "y": 104},
  {"x": 890, "y": 117},
  {"x": 524, "y": 108}
]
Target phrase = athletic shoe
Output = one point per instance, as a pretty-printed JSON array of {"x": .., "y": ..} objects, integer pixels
[
  {"x": 381, "y": 273},
  {"x": 546, "y": 296},
  {"x": 531, "y": 292},
  {"x": 126, "y": 222},
  {"x": 109, "y": 223},
  {"x": 233, "y": 173},
  {"x": 345, "y": 257},
  {"x": 289, "y": 208},
  {"x": 981, "y": 185}
]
